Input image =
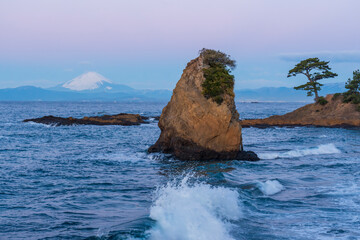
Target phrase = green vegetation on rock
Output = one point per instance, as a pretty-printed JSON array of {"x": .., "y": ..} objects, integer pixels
[
  {"x": 314, "y": 70},
  {"x": 218, "y": 80},
  {"x": 352, "y": 95},
  {"x": 322, "y": 101},
  {"x": 353, "y": 86}
]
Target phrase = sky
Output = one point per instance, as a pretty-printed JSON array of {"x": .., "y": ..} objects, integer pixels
[{"x": 146, "y": 44}]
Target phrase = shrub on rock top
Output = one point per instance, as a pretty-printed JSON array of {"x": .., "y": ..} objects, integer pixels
[
  {"x": 217, "y": 58},
  {"x": 322, "y": 101},
  {"x": 353, "y": 86},
  {"x": 218, "y": 80}
]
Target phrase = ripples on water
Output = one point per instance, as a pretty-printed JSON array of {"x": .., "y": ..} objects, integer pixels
[{"x": 98, "y": 182}]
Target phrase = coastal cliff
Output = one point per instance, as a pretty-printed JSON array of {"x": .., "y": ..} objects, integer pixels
[
  {"x": 196, "y": 128},
  {"x": 335, "y": 113}
]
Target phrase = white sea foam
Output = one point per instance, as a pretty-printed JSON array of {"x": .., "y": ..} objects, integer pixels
[
  {"x": 127, "y": 155},
  {"x": 321, "y": 149},
  {"x": 270, "y": 187},
  {"x": 194, "y": 211},
  {"x": 41, "y": 124}
]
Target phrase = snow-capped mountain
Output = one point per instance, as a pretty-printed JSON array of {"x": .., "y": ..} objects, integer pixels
[
  {"x": 92, "y": 81},
  {"x": 87, "y": 81}
]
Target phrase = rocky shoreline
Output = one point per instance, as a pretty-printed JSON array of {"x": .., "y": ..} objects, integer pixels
[
  {"x": 123, "y": 119},
  {"x": 334, "y": 114},
  {"x": 248, "y": 123}
]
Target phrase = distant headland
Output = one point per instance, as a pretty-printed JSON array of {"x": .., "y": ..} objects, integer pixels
[{"x": 335, "y": 113}]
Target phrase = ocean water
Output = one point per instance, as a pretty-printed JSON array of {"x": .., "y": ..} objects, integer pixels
[{"x": 98, "y": 182}]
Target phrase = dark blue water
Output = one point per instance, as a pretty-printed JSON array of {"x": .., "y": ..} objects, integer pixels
[{"x": 98, "y": 182}]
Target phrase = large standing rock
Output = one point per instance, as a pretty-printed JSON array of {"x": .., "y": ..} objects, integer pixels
[{"x": 196, "y": 128}]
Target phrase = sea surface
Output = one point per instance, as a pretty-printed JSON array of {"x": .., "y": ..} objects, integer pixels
[{"x": 99, "y": 182}]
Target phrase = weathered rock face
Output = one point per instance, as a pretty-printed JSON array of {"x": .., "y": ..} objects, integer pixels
[
  {"x": 334, "y": 114},
  {"x": 196, "y": 128}
]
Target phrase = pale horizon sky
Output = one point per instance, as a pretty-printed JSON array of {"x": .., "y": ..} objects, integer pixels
[{"x": 146, "y": 44}]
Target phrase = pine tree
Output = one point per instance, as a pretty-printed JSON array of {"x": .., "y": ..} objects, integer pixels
[
  {"x": 314, "y": 70},
  {"x": 353, "y": 86}
]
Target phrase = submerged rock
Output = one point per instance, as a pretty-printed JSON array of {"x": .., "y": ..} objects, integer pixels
[
  {"x": 333, "y": 114},
  {"x": 124, "y": 119},
  {"x": 196, "y": 128}
]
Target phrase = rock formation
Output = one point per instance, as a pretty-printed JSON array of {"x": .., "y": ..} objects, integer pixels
[
  {"x": 333, "y": 114},
  {"x": 196, "y": 128},
  {"x": 124, "y": 119}
]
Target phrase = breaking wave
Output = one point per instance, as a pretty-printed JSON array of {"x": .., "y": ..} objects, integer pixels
[
  {"x": 270, "y": 187},
  {"x": 321, "y": 149},
  {"x": 194, "y": 211}
]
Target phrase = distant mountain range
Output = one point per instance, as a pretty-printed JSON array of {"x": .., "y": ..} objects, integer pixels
[
  {"x": 284, "y": 94},
  {"x": 92, "y": 86}
]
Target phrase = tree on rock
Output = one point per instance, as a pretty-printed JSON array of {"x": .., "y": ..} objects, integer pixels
[
  {"x": 353, "y": 86},
  {"x": 217, "y": 58},
  {"x": 314, "y": 70},
  {"x": 218, "y": 80}
]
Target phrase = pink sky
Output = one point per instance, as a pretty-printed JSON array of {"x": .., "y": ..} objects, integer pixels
[{"x": 162, "y": 31}]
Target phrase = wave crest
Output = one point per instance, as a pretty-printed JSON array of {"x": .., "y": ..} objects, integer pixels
[
  {"x": 321, "y": 149},
  {"x": 270, "y": 187},
  {"x": 194, "y": 211}
]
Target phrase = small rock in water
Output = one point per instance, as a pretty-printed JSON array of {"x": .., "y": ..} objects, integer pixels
[{"x": 124, "y": 119}]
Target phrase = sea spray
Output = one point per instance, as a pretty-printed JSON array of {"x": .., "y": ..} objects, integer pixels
[
  {"x": 321, "y": 149},
  {"x": 270, "y": 187},
  {"x": 184, "y": 210}
]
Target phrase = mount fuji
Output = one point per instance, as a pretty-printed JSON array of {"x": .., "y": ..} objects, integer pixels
[{"x": 92, "y": 82}]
